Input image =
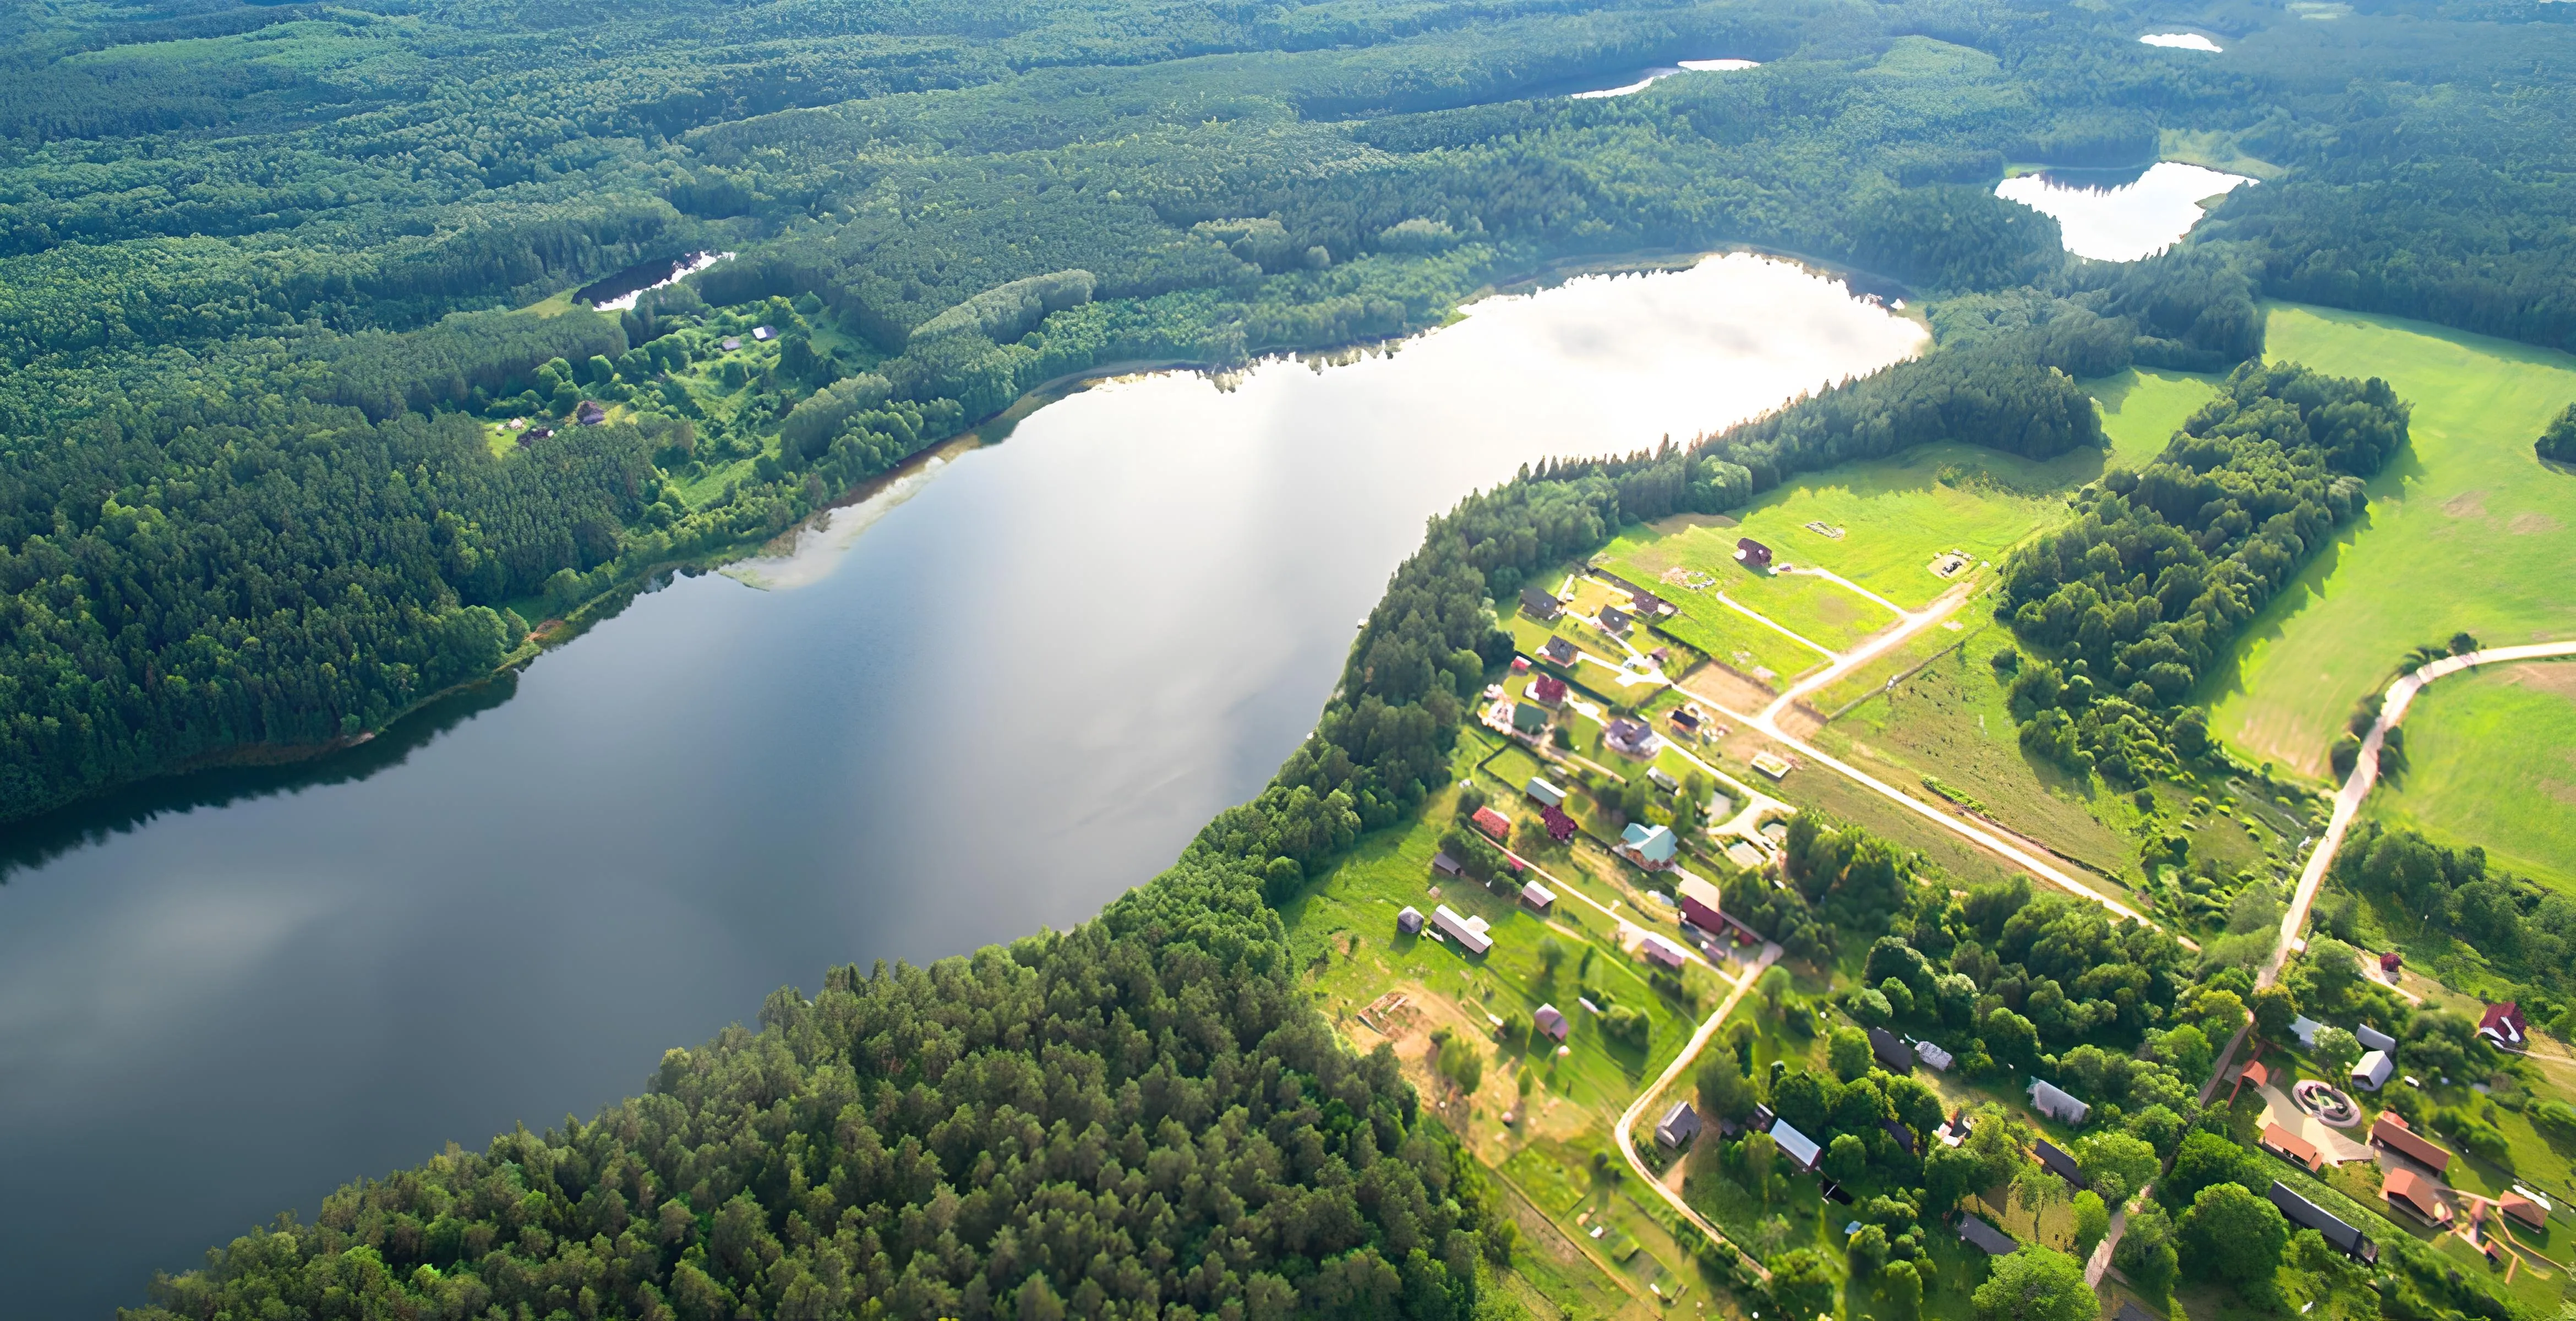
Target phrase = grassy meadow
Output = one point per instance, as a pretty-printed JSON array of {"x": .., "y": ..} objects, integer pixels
[
  {"x": 2492, "y": 761},
  {"x": 2468, "y": 530},
  {"x": 2142, "y": 408}
]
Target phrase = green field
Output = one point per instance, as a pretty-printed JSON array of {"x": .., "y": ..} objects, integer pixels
[
  {"x": 1729, "y": 638},
  {"x": 2492, "y": 762},
  {"x": 2142, "y": 408},
  {"x": 2468, "y": 531}
]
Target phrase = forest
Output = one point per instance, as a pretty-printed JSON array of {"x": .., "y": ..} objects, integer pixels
[{"x": 217, "y": 226}]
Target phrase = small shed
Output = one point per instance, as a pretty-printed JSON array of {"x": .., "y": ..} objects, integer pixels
[
  {"x": 1798, "y": 1147},
  {"x": 589, "y": 413},
  {"x": 1548, "y": 795},
  {"x": 1678, "y": 1126},
  {"x": 1980, "y": 1234},
  {"x": 2371, "y": 1071},
  {"x": 729, "y": 343},
  {"x": 1410, "y": 920},
  {"x": 1538, "y": 896},
  {"x": 2306, "y": 1029},
  {"x": 1551, "y": 1022},
  {"x": 1933, "y": 1057},
  {"x": 1661, "y": 951},
  {"x": 1890, "y": 1050},
  {"x": 2524, "y": 1209},
  {"x": 1663, "y": 779},
  {"x": 1752, "y": 554},
  {"x": 1445, "y": 865},
  {"x": 2058, "y": 1162},
  {"x": 763, "y": 334},
  {"x": 1540, "y": 604},
  {"x": 2372, "y": 1038},
  {"x": 2051, "y": 1100}
]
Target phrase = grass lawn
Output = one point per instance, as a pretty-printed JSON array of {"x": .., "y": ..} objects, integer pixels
[
  {"x": 1726, "y": 636},
  {"x": 2467, "y": 531},
  {"x": 2492, "y": 761},
  {"x": 2142, "y": 408},
  {"x": 1699, "y": 550}
]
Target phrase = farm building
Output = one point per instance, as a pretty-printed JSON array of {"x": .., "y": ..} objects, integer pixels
[
  {"x": 2048, "y": 1099},
  {"x": 1891, "y": 1050},
  {"x": 1558, "y": 651},
  {"x": 1493, "y": 823},
  {"x": 1699, "y": 901},
  {"x": 1933, "y": 1056},
  {"x": 1443, "y": 864},
  {"x": 2503, "y": 1025},
  {"x": 2391, "y": 1132},
  {"x": 1996, "y": 1242},
  {"x": 1548, "y": 795},
  {"x": 763, "y": 334},
  {"x": 1903, "y": 1136},
  {"x": 2371, "y": 1071},
  {"x": 1560, "y": 827},
  {"x": 2523, "y": 1208},
  {"x": 1651, "y": 847},
  {"x": 1551, "y": 1022},
  {"x": 1546, "y": 690},
  {"x": 1752, "y": 554},
  {"x": 1679, "y": 1125},
  {"x": 1633, "y": 738},
  {"x": 2305, "y": 1214},
  {"x": 1409, "y": 921},
  {"x": 2306, "y": 1029},
  {"x": 2416, "y": 1193},
  {"x": 1661, "y": 951},
  {"x": 1663, "y": 779},
  {"x": 1801, "y": 1150},
  {"x": 2372, "y": 1038},
  {"x": 2291, "y": 1147},
  {"x": 1538, "y": 896},
  {"x": 2058, "y": 1162},
  {"x": 1538, "y": 604},
  {"x": 1469, "y": 932}
]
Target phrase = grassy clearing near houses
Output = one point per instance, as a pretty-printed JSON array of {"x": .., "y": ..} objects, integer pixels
[
  {"x": 2467, "y": 531},
  {"x": 2492, "y": 762}
]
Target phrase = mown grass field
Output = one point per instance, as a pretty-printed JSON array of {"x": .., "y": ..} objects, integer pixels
[
  {"x": 2467, "y": 531},
  {"x": 2492, "y": 762}
]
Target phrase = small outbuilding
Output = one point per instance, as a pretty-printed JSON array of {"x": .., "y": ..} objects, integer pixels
[
  {"x": 1409, "y": 921},
  {"x": 1699, "y": 901},
  {"x": 1903, "y": 1136},
  {"x": 2304, "y": 1214},
  {"x": 1891, "y": 1051},
  {"x": 2291, "y": 1147},
  {"x": 1549, "y": 1021},
  {"x": 1661, "y": 951},
  {"x": 2523, "y": 1208},
  {"x": 2306, "y": 1030},
  {"x": 2392, "y": 1133},
  {"x": 2372, "y": 1038},
  {"x": 763, "y": 334},
  {"x": 1933, "y": 1056},
  {"x": 589, "y": 413},
  {"x": 1979, "y": 1234},
  {"x": 1801, "y": 1150},
  {"x": 1493, "y": 823},
  {"x": 1538, "y": 896},
  {"x": 1469, "y": 932},
  {"x": 1678, "y": 1126},
  {"x": 1548, "y": 795},
  {"x": 1752, "y": 554},
  {"x": 2406, "y": 1188},
  {"x": 2391, "y": 963},
  {"x": 2371, "y": 1071},
  {"x": 2058, "y": 1162},
  {"x": 2051, "y": 1100},
  {"x": 1444, "y": 865}
]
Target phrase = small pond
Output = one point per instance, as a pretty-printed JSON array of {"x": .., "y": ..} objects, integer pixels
[
  {"x": 2122, "y": 215},
  {"x": 1645, "y": 78},
  {"x": 2180, "y": 41}
]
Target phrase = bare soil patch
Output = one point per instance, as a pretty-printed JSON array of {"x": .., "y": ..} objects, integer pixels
[
  {"x": 1728, "y": 689},
  {"x": 2530, "y": 522},
  {"x": 2558, "y": 678},
  {"x": 2467, "y": 504}
]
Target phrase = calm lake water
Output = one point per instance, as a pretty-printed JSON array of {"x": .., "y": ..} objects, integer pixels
[
  {"x": 2122, "y": 215},
  {"x": 990, "y": 700}
]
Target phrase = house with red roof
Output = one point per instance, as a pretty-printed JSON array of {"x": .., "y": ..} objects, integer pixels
[
  {"x": 1547, "y": 690},
  {"x": 2503, "y": 1025},
  {"x": 1493, "y": 823}
]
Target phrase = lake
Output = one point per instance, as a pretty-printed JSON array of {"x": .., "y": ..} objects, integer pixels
[
  {"x": 2122, "y": 215},
  {"x": 989, "y": 699}
]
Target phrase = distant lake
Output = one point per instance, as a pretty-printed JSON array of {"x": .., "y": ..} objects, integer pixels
[
  {"x": 2122, "y": 215},
  {"x": 1631, "y": 84},
  {"x": 988, "y": 699},
  {"x": 2180, "y": 41}
]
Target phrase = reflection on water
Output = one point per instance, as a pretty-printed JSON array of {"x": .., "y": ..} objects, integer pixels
[
  {"x": 1045, "y": 664},
  {"x": 2122, "y": 215},
  {"x": 1649, "y": 77},
  {"x": 2180, "y": 41}
]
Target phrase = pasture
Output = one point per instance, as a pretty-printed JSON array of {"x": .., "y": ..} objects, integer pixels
[
  {"x": 2142, "y": 408},
  {"x": 2492, "y": 761},
  {"x": 2466, "y": 531}
]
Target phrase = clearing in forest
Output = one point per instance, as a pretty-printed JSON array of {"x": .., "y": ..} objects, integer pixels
[
  {"x": 2467, "y": 531},
  {"x": 2491, "y": 761}
]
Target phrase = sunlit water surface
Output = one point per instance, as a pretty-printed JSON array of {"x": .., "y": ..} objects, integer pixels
[
  {"x": 2122, "y": 215},
  {"x": 990, "y": 698}
]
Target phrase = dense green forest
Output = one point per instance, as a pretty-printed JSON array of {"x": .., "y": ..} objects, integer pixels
[{"x": 252, "y": 256}]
